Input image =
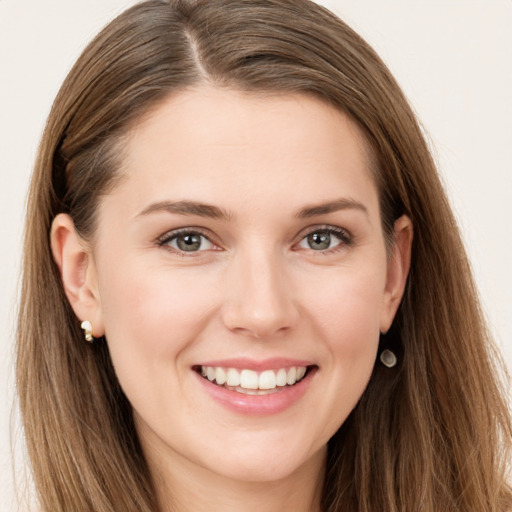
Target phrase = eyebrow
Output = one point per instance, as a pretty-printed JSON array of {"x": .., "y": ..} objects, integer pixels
[
  {"x": 214, "y": 212},
  {"x": 187, "y": 208},
  {"x": 330, "y": 207}
]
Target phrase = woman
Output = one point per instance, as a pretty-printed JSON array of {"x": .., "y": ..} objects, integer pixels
[{"x": 234, "y": 205}]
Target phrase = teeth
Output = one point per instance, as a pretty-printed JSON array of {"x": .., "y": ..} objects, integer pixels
[
  {"x": 301, "y": 371},
  {"x": 210, "y": 373},
  {"x": 233, "y": 377},
  {"x": 281, "y": 377},
  {"x": 220, "y": 376},
  {"x": 292, "y": 376},
  {"x": 267, "y": 380},
  {"x": 251, "y": 380}
]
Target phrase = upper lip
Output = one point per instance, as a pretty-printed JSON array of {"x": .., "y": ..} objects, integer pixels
[{"x": 242, "y": 363}]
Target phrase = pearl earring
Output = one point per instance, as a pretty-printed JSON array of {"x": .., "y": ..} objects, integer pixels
[
  {"x": 388, "y": 358},
  {"x": 87, "y": 327}
]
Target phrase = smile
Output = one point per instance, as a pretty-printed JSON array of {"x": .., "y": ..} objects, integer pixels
[{"x": 252, "y": 382}]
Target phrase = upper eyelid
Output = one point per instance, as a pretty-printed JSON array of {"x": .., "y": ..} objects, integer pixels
[
  {"x": 173, "y": 233},
  {"x": 324, "y": 227}
]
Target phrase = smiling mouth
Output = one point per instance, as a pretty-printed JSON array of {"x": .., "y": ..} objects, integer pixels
[{"x": 250, "y": 382}]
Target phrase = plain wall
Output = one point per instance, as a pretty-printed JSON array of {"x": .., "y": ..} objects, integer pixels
[{"x": 453, "y": 59}]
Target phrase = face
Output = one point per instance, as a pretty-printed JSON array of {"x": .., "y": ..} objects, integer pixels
[{"x": 240, "y": 275}]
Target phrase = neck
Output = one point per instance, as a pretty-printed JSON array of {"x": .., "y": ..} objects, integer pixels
[{"x": 187, "y": 487}]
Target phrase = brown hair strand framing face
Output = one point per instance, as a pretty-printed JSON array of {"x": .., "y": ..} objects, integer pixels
[{"x": 431, "y": 434}]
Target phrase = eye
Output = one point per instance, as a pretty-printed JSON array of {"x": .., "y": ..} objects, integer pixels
[
  {"x": 187, "y": 241},
  {"x": 325, "y": 239}
]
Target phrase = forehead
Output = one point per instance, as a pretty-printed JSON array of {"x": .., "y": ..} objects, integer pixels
[{"x": 230, "y": 144}]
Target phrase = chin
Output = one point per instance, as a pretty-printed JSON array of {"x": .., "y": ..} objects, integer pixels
[
  {"x": 265, "y": 469},
  {"x": 267, "y": 460}
]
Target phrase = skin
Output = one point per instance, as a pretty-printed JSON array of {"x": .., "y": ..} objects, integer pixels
[{"x": 257, "y": 288}]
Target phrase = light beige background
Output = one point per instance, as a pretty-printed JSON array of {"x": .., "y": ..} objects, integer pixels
[{"x": 452, "y": 57}]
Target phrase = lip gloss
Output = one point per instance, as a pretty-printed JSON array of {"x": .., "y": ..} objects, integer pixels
[{"x": 265, "y": 404}]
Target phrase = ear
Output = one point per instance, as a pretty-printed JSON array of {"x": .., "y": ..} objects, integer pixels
[
  {"x": 77, "y": 269},
  {"x": 399, "y": 262}
]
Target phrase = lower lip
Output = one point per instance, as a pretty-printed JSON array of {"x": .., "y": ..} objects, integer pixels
[{"x": 260, "y": 405}]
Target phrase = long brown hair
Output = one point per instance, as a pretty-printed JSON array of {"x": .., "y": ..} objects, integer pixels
[{"x": 431, "y": 434}]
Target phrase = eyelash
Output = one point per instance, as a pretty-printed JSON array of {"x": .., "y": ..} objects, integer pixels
[
  {"x": 346, "y": 240},
  {"x": 167, "y": 238}
]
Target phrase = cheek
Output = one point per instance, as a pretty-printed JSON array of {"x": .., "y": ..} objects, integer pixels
[
  {"x": 151, "y": 315},
  {"x": 347, "y": 318},
  {"x": 349, "y": 306}
]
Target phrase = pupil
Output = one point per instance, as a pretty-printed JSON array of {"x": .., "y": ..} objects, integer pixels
[
  {"x": 189, "y": 242},
  {"x": 319, "y": 241}
]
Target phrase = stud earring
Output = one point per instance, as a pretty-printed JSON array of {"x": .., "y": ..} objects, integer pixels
[
  {"x": 388, "y": 358},
  {"x": 87, "y": 327}
]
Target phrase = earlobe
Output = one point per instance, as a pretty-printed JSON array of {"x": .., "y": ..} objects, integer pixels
[
  {"x": 77, "y": 270},
  {"x": 398, "y": 269}
]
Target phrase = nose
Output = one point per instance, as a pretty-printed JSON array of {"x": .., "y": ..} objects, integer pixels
[{"x": 260, "y": 300}]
